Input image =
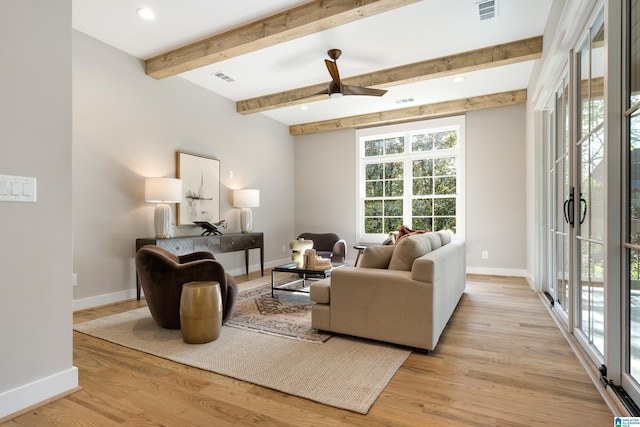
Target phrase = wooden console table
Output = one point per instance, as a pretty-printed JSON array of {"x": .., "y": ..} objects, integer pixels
[{"x": 182, "y": 245}]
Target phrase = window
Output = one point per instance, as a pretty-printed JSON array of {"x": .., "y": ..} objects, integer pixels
[{"x": 410, "y": 174}]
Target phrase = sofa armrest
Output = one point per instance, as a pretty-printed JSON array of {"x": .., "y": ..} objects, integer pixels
[
  {"x": 381, "y": 304},
  {"x": 445, "y": 268},
  {"x": 446, "y": 260}
]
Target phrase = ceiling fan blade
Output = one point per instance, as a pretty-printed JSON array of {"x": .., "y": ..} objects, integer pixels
[
  {"x": 333, "y": 70},
  {"x": 358, "y": 90}
]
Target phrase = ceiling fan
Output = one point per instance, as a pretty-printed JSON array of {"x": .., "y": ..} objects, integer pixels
[{"x": 336, "y": 89}]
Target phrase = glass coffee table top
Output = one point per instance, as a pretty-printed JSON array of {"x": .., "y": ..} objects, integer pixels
[{"x": 304, "y": 276}]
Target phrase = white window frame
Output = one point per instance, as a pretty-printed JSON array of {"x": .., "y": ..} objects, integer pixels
[{"x": 435, "y": 125}]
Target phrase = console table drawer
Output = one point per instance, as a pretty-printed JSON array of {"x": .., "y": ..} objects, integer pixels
[
  {"x": 207, "y": 245},
  {"x": 177, "y": 246},
  {"x": 238, "y": 242}
]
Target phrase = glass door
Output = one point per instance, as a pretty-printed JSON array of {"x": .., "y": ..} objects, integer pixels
[
  {"x": 559, "y": 207},
  {"x": 631, "y": 180},
  {"x": 590, "y": 190}
]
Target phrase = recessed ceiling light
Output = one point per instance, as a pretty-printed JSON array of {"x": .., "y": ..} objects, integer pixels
[
  {"x": 458, "y": 79},
  {"x": 304, "y": 107},
  {"x": 145, "y": 13}
]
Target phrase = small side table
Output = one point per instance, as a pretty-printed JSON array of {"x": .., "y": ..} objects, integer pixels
[
  {"x": 200, "y": 312},
  {"x": 360, "y": 249}
]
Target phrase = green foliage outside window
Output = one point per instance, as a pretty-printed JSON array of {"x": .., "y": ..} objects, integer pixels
[
  {"x": 374, "y": 171},
  {"x": 384, "y": 146},
  {"x": 443, "y": 140},
  {"x": 422, "y": 186},
  {"x": 431, "y": 178},
  {"x": 444, "y": 166},
  {"x": 374, "y": 188},
  {"x": 445, "y": 185}
]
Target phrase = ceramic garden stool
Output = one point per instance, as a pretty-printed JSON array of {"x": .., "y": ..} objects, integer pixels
[{"x": 200, "y": 312}]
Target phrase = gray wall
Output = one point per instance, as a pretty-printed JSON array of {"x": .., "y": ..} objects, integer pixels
[
  {"x": 36, "y": 251},
  {"x": 325, "y": 192},
  {"x": 496, "y": 191},
  {"x": 127, "y": 126}
]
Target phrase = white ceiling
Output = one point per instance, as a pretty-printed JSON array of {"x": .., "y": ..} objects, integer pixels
[{"x": 421, "y": 31}]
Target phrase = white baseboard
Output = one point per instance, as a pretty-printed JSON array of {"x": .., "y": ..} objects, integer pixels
[
  {"x": 512, "y": 272},
  {"x": 256, "y": 267},
  {"x": 98, "y": 300},
  {"x": 29, "y": 395}
]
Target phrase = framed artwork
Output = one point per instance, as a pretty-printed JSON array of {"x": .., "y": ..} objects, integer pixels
[{"x": 200, "y": 188}]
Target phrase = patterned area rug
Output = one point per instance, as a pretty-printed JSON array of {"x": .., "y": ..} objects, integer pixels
[{"x": 286, "y": 314}]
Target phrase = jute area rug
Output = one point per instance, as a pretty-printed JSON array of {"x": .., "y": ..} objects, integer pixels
[{"x": 343, "y": 372}]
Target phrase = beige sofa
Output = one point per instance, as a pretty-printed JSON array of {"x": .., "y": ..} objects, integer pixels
[{"x": 402, "y": 294}]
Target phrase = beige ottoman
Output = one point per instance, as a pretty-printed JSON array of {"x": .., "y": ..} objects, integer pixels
[{"x": 200, "y": 312}]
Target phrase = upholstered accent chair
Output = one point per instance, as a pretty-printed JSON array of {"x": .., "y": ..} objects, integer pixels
[
  {"x": 328, "y": 245},
  {"x": 162, "y": 274}
]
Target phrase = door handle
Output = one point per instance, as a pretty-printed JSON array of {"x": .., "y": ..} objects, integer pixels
[
  {"x": 583, "y": 206},
  {"x": 568, "y": 208}
]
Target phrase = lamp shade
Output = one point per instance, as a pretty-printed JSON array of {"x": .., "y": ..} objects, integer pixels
[
  {"x": 161, "y": 190},
  {"x": 246, "y": 198}
]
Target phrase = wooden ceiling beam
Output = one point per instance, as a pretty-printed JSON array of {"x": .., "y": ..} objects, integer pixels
[
  {"x": 480, "y": 59},
  {"x": 307, "y": 19},
  {"x": 421, "y": 112}
]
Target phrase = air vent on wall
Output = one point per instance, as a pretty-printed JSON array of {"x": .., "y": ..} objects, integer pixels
[{"x": 487, "y": 9}]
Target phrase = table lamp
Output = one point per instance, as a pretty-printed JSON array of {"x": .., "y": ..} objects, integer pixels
[
  {"x": 163, "y": 191},
  {"x": 246, "y": 199}
]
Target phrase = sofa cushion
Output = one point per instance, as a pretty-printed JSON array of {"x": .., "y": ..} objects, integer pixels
[
  {"x": 445, "y": 236},
  {"x": 377, "y": 256},
  {"x": 434, "y": 238},
  {"x": 408, "y": 249}
]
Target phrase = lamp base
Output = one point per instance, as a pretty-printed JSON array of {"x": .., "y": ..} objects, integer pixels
[
  {"x": 246, "y": 220},
  {"x": 162, "y": 221}
]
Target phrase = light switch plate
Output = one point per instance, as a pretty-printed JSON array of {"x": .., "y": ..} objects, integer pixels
[{"x": 17, "y": 189}]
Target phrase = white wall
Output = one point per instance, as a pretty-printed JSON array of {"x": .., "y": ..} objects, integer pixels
[
  {"x": 496, "y": 191},
  {"x": 36, "y": 251},
  {"x": 128, "y": 126},
  {"x": 325, "y": 192}
]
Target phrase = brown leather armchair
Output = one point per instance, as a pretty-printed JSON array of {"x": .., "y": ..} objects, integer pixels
[
  {"x": 162, "y": 274},
  {"x": 328, "y": 245}
]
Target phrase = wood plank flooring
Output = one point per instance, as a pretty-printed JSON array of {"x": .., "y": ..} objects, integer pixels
[{"x": 500, "y": 362}]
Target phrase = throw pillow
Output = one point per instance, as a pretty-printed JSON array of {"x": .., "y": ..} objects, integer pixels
[
  {"x": 404, "y": 231},
  {"x": 377, "y": 256},
  {"x": 407, "y": 250}
]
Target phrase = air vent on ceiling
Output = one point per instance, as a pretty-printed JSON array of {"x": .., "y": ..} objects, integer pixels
[
  {"x": 404, "y": 101},
  {"x": 223, "y": 76},
  {"x": 487, "y": 9}
]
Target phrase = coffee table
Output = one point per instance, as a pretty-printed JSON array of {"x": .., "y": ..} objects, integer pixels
[{"x": 303, "y": 274}]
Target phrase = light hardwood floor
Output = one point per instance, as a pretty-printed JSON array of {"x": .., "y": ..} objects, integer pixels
[{"x": 501, "y": 362}]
